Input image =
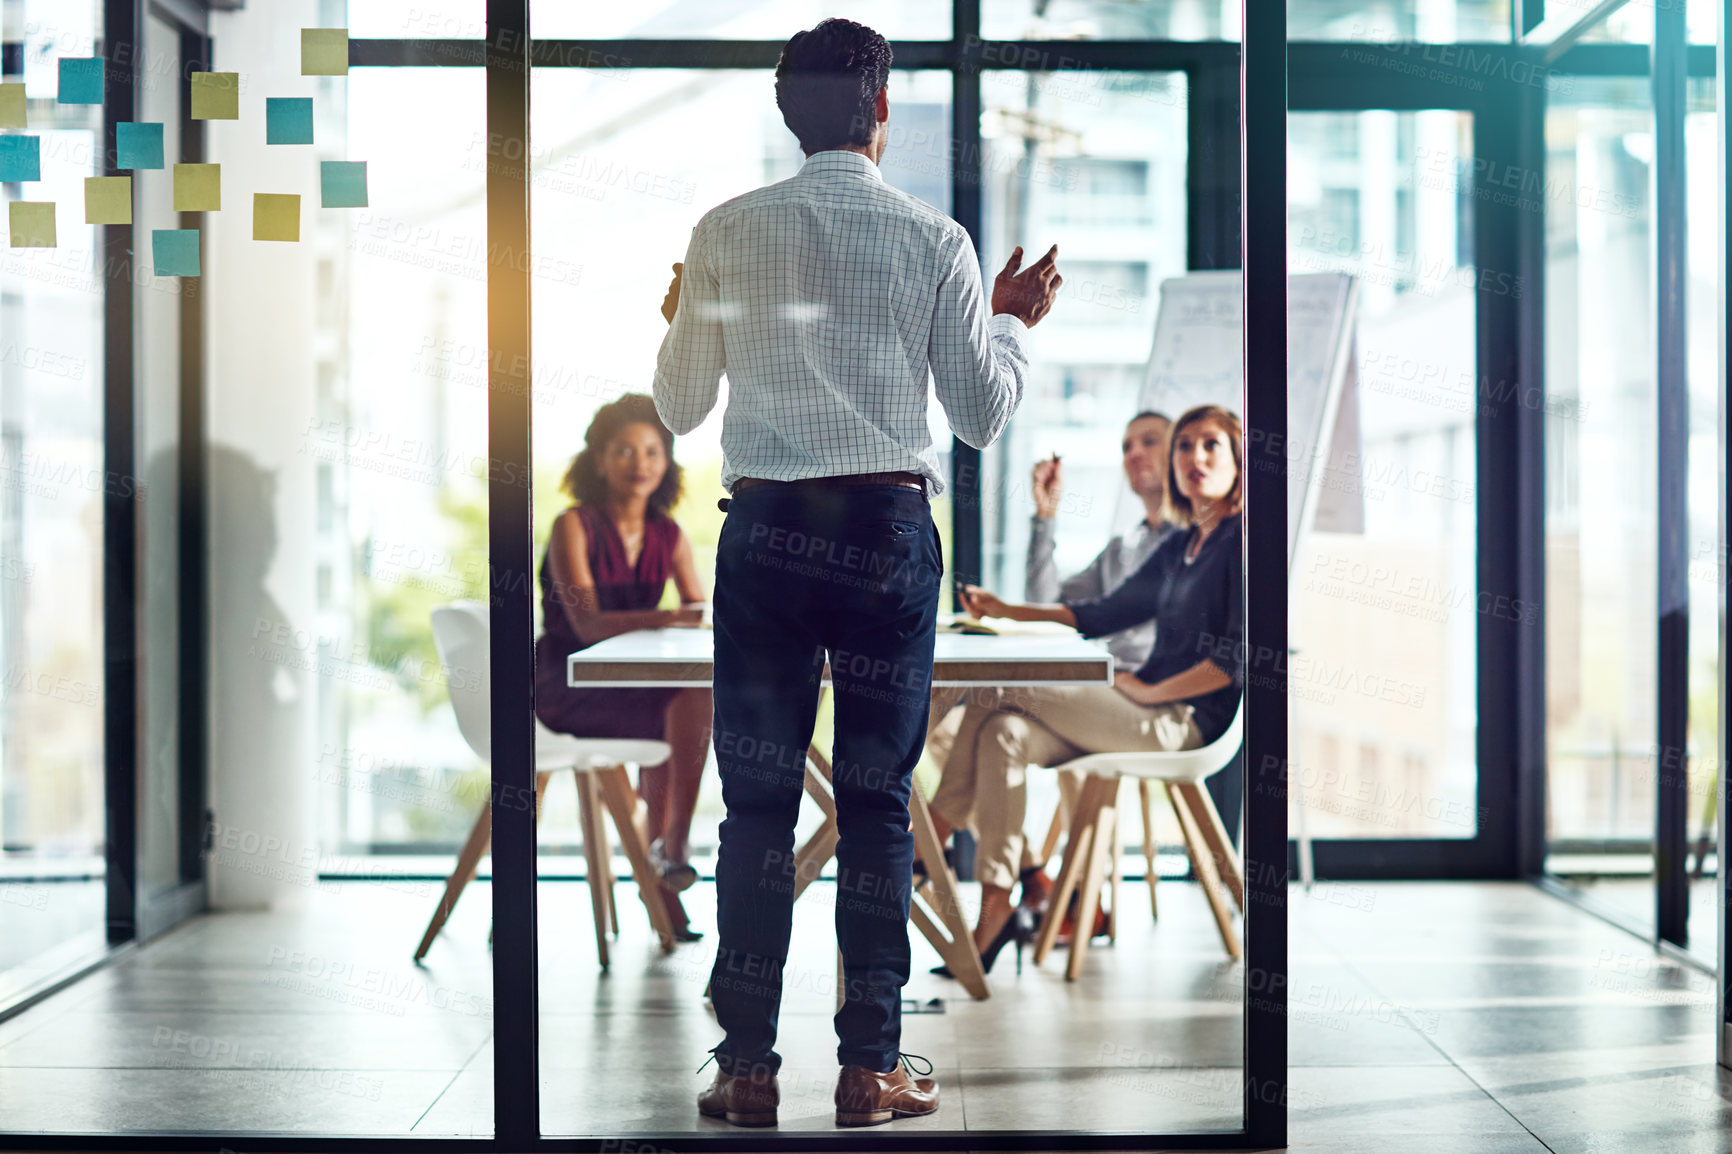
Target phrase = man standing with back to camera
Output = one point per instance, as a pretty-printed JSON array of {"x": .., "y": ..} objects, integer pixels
[{"x": 826, "y": 299}]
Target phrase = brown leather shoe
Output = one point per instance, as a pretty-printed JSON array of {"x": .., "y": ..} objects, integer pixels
[
  {"x": 866, "y": 1097},
  {"x": 744, "y": 1101}
]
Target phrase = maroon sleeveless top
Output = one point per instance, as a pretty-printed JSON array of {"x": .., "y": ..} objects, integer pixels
[{"x": 618, "y": 585}]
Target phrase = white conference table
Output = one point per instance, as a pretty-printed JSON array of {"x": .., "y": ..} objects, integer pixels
[{"x": 1019, "y": 655}]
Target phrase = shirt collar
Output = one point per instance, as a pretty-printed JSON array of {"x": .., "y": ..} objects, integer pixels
[{"x": 840, "y": 160}]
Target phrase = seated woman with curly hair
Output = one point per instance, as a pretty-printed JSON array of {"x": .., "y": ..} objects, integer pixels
[{"x": 608, "y": 561}]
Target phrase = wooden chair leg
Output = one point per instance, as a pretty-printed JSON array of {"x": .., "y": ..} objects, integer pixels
[
  {"x": 595, "y": 830},
  {"x": 595, "y": 853},
  {"x": 1054, "y": 831},
  {"x": 626, "y": 808},
  {"x": 604, "y": 847},
  {"x": 1075, "y": 859},
  {"x": 1094, "y": 878},
  {"x": 1116, "y": 872},
  {"x": 1203, "y": 862},
  {"x": 1215, "y": 837},
  {"x": 1144, "y": 787},
  {"x": 480, "y": 837}
]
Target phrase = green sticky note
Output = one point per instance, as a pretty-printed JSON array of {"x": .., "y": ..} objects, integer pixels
[
  {"x": 32, "y": 224},
  {"x": 198, "y": 188},
  {"x": 81, "y": 80},
  {"x": 20, "y": 158},
  {"x": 216, "y": 96},
  {"x": 343, "y": 184},
  {"x": 137, "y": 145},
  {"x": 108, "y": 200},
  {"x": 324, "y": 52},
  {"x": 12, "y": 106},
  {"x": 288, "y": 120},
  {"x": 276, "y": 217},
  {"x": 174, "y": 251}
]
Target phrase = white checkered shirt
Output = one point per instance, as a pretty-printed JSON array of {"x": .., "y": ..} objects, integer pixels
[{"x": 829, "y": 299}]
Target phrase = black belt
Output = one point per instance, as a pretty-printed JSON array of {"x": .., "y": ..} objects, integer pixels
[{"x": 846, "y": 480}]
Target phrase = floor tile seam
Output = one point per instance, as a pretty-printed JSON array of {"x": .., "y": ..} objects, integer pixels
[
  {"x": 1349, "y": 964},
  {"x": 452, "y": 1081}
]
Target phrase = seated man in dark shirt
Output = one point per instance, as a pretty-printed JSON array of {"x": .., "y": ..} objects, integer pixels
[{"x": 1183, "y": 697}]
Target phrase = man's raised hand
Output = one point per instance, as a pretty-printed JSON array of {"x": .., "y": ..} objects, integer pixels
[
  {"x": 1027, "y": 294},
  {"x": 671, "y": 302}
]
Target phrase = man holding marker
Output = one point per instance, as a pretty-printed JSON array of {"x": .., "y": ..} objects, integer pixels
[{"x": 830, "y": 299}]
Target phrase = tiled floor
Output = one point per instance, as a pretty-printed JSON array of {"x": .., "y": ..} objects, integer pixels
[{"x": 1423, "y": 1017}]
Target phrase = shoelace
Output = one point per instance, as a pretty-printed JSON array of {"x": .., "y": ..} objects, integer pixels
[{"x": 904, "y": 1059}]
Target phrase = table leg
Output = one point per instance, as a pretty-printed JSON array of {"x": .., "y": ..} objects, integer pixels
[
  {"x": 809, "y": 859},
  {"x": 956, "y": 947},
  {"x": 941, "y": 918}
]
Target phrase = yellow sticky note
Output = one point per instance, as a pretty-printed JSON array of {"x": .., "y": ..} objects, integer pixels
[
  {"x": 32, "y": 224},
  {"x": 276, "y": 217},
  {"x": 324, "y": 52},
  {"x": 198, "y": 188},
  {"x": 108, "y": 200},
  {"x": 216, "y": 96},
  {"x": 12, "y": 106}
]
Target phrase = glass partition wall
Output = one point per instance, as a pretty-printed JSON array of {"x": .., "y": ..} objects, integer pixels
[
  {"x": 1633, "y": 709},
  {"x": 51, "y": 548},
  {"x": 349, "y": 439}
]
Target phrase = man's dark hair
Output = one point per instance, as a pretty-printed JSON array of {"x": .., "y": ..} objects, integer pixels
[{"x": 827, "y": 84}]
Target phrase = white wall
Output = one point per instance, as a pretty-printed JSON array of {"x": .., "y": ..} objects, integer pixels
[{"x": 260, "y": 369}]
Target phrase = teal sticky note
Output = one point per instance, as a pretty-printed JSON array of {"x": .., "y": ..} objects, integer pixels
[
  {"x": 81, "y": 80},
  {"x": 288, "y": 120},
  {"x": 137, "y": 145},
  {"x": 343, "y": 184},
  {"x": 20, "y": 158},
  {"x": 174, "y": 251}
]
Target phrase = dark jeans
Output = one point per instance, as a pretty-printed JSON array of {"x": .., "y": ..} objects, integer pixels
[{"x": 801, "y": 570}]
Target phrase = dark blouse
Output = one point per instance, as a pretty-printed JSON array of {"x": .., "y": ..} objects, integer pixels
[{"x": 1198, "y": 611}]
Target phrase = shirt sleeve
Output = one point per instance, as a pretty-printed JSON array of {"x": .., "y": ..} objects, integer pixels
[
  {"x": 1229, "y": 648},
  {"x": 1040, "y": 579},
  {"x": 978, "y": 363},
  {"x": 693, "y": 357},
  {"x": 1132, "y": 603},
  {"x": 1088, "y": 582}
]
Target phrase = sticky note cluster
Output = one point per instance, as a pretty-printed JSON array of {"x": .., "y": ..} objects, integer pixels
[{"x": 139, "y": 147}]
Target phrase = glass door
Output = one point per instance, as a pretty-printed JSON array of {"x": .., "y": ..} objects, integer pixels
[{"x": 1385, "y": 598}]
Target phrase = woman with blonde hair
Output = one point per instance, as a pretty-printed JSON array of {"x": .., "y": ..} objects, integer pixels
[{"x": 1182, "y": 697}]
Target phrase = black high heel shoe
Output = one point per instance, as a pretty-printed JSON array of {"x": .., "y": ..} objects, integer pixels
[{"x": 1020, "y": 928}]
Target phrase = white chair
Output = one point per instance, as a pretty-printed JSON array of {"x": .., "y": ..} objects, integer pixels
[
  {"x": 600, "y": 765},
  {"x": 1092, "y": 852}
]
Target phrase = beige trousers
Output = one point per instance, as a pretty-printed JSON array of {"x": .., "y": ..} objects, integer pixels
[{"x": 986, "y": 747}]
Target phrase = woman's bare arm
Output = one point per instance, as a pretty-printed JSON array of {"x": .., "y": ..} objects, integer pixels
[
  {"x": 1203, "y": 677},
  {"x": 979, "y": 603},
  {"x": 574, "y": 588},
  {"x": 686, "y": 580}
]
